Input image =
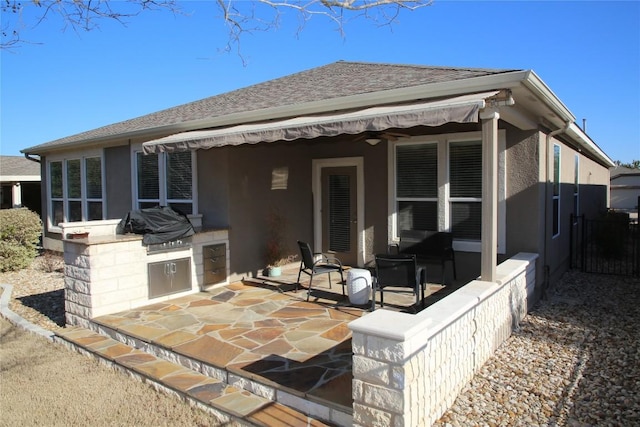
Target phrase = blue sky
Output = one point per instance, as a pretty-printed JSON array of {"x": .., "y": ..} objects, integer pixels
[{"x": 588, "y": 53}]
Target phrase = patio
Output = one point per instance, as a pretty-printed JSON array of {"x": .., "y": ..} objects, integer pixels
[{"x": 262, "y": 334}]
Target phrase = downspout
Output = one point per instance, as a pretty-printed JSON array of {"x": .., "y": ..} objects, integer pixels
[
  {"x": 26, "y": 156},
  {"x": 550, "y": 135}
]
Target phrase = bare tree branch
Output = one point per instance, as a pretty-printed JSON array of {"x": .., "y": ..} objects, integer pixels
[
  {"x": 240, "y": 17},
  {"x": 79, "y": 15}
]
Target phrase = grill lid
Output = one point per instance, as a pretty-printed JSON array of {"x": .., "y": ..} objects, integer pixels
[{"x": 158, "y": 225}]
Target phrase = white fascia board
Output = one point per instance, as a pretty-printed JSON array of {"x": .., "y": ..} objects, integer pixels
[
  {"x": 583, "y": 139},
  {"x": 542, "y": 91},
  {"x": 19, "y": 178},
  {"x": 536, "y": 85}
]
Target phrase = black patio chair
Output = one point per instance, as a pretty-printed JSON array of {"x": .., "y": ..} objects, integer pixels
[
  {"x": 428, "y": 246},
  {"x": 313, "y": 264},
  {"x": 399, "y": 271}
]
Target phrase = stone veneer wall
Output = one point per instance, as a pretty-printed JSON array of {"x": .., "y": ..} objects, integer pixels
[
  {"x": 408, "y": 369},
  {"x": 107, "y": 274}
]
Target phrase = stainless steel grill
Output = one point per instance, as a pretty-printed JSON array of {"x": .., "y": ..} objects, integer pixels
[{"x": 173, "y": 245}]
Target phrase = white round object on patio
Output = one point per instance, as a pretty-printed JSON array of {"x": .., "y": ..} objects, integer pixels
[{"x": 358, "y": 286}]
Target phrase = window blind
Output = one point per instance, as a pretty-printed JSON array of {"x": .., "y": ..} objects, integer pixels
[
  {"x": 55, "y": 171},
  {"x": 465, "y": 170},
  {"x": 148, "y": 179},
  {"x": 93, "y": 176},
  {"x": 417, "y": 171},
  {"x": 339, "y": 213},
  {"x": 74, "y": 185},
  {"x": 179, "y": 175}
]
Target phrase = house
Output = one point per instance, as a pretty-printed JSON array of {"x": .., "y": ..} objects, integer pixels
[
  {"x": 20, "y": 183},
  {"x": 625, "y": 188},
  {"x": 399, "y": 146},
  {"x": 349, "y": 154}
]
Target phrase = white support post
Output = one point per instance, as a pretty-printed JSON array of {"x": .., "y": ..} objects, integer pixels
[
  {"x": 16, "y": 194},
  {"x": 489, "y": 255}
]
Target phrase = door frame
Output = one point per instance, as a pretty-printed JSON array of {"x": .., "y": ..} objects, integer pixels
[{"x": 318, "y": 165}]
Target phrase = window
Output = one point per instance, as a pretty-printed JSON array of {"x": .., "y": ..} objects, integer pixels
[
  {"x": 465, "y": 194},
  {"x": 576, "y": 188},
  {"x": 437, "y": 185},
  {"x": 75, "y": 190},
  {"x": 417, "y": 186},
  {"x": 165, "y": 179},
  {"x": 556, "y": 190}
]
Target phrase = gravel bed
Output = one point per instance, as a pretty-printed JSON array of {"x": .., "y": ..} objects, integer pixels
[
  {"x": 574, "y": 361},
  {"x": 38, "y": 291}
]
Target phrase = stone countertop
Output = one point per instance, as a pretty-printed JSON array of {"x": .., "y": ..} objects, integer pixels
[
  {"x": 128, "y": 237},
  {"x": 99, "y": 240}
]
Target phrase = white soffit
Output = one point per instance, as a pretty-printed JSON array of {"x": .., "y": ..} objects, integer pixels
[{"x": 460, "y": 109}]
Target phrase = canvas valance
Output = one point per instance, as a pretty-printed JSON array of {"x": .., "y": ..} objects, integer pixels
[{"x": 458, "y": 109}]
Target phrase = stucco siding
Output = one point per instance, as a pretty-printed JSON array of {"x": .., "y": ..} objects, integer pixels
[
  {"x": 524, "y": 217},
  {"x": 593, "y": 180},
  {"x": 251, "y": 195},
  {"x": 593, "y": 188}
]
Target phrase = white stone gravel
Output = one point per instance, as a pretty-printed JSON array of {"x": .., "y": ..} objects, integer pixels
[
  {"x": 38, "y": 291},
  {"x": 575, "y": 360}
]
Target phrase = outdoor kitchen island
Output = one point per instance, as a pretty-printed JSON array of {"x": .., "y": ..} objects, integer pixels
[{"x": 106, "y": 274}]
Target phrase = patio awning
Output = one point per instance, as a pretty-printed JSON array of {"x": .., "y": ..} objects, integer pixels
[{"x": 459, "y": 109}]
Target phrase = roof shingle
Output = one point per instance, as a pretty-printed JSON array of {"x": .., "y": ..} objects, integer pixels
[
  {"x": 331, "y": 81},
  {"x": 18, "y": 166}
]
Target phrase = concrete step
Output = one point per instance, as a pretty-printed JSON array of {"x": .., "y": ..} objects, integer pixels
[{"x": 228, "y": 402}]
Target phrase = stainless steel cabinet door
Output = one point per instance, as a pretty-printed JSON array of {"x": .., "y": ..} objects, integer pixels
[{"x": 169, "y": 277}]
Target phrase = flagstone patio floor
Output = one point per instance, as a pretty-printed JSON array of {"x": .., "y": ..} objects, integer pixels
[{"x": 263, "y": 330}]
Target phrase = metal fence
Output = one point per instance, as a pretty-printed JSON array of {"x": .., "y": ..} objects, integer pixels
[{"x": 606, "y": 245}]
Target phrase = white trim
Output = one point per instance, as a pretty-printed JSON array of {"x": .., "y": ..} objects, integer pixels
[
  {"x": 393, "y": 199},
  {"x": 63, "y": 159},
  {"x": 444, "y": 209},
  {"x": 162, "y": 182},
  {"x": 317, "y": 166},
  {"x": 19, "y": 178}
]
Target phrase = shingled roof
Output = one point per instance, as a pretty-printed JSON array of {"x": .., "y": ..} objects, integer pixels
[
  {"x": 331, "y": 81},
  {"x": 18, "y": 166}
]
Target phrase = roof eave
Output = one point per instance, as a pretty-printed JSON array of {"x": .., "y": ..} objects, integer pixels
[
  {"x": 589, "y": 145},
  {"x": 506, "y": 80},
  {"x": 546, "y": 95},
  {"x": 432, "y": 90},
  {"x": 543, "y": 92}
]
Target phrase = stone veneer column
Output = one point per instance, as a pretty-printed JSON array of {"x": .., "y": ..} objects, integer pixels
[{"x": 103, "y": 275}]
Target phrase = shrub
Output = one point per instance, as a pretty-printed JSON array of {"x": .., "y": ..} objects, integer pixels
[
  {"x": 52, "y": 262},
  {"x": 20, "y": 231}
]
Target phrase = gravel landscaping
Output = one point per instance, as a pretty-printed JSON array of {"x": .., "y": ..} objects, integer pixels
[{"x": 574, "y": 361}]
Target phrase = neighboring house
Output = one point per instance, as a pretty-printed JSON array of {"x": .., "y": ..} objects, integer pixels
[
  {"x": 20, "y": 181},
  {"x": 350, "y": 153},
  {"x": 625, "y": 188}
]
